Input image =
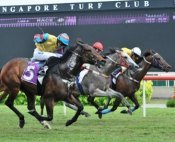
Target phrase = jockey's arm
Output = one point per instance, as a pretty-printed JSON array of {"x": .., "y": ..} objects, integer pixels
[
  {"x": 40, "y": 38},
  {"x": 129, "y": 59}
]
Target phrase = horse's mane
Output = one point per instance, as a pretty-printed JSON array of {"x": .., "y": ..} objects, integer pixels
[
  {"x": 111, "y": 51},
  {"x": 68, "y": 53},
  {"x": 148, "y": 52},
  {"x": 54, "y": 60}
]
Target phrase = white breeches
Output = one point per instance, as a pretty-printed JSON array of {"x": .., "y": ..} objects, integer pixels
[
  {"x": 82, "y": 74},
  {"x": 129, "y": 59},
  {"x": 40, "y": 55}
]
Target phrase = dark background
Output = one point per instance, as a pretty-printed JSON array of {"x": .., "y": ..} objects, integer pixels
[{"x": 18, "y": 42}]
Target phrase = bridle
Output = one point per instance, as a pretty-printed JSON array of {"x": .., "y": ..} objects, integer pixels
[
  {"x": 150, "y": 63},
  {"x": 122, "y": 61}
]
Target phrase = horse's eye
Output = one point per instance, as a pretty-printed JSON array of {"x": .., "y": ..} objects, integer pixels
[{"x": 158, "y": 58}]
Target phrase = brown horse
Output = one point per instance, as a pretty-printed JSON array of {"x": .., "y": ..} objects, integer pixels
[
  {"x": 129, "y": 85},
  {"x": 53, "y": 88}
]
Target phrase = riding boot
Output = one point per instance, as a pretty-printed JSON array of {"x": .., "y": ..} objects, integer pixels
[
  {"x": 43, "y": 71},
  {"x": 115, "y": 74}
]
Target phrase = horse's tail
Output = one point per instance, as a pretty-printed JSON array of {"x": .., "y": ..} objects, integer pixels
[{"x": 3, "y": 90}]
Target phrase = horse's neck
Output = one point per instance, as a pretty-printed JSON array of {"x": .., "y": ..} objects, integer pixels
[
  {"x": 141, "y": 72},
  {"x": 108, "y": 68},
  {"x": 70, "y": 66}
]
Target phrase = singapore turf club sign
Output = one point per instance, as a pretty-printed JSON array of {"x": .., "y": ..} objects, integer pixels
[{"x": 87, "y": 6}]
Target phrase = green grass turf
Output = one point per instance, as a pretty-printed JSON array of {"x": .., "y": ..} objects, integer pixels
[{"x": 158, "y": 126}]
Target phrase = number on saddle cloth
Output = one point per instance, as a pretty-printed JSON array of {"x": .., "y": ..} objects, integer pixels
[{"x": 30, "y": 74}]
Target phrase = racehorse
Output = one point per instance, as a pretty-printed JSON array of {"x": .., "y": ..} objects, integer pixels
[
  {"x": 129, "y": 85},
  {"x": 53, "y": 87}
]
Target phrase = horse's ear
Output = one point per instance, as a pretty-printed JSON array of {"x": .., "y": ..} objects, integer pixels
[
  {"x": 112, "y": 50},
  {"x": 79, "y": 42},
  {"x": 84, "y": 45},
  {"x": 147, "y": 53}
]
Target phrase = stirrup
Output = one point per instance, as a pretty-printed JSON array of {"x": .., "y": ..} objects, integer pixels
[{"x": 42, "y": 73}]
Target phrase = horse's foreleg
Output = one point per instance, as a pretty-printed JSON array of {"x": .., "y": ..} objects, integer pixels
[
  {"x": 111, "y": 93},
  {"x": 10, "y": 103},
  {"x": 73, "y": 107},
  {"x": 107, "y": 103},
  {"x": 135, "y": 101},
  {"x": 119, "y": 95},
  {"x": 32, "y": 110},
  {"x": 72, "y": 100}
]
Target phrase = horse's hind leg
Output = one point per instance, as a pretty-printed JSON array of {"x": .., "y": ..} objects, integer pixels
[
  {"x": 10, "y": 103},
  {"x": 3, "y": 96},
  {"x": 72, "y": 100},
  {"x": 99, "y": 109},
  {"x": 42, "y": 105}
]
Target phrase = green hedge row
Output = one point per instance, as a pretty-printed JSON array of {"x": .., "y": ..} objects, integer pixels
[
  {"x": 170, "y": 103},
  {"x": 22, "y": 100}
]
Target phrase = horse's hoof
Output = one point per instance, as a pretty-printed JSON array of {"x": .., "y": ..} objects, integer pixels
[
  {"x": 100, "y": 116},
  {"x": 97, "y": 112},
  {"x": 129, "y": 112},
  {"x": 87, "y": 115},
  {"x": 124, "y": 111},
  {"x": 46, "y": 125},
  {"x": 69, "y": 122},
  {"x": 21, "y": 123}
]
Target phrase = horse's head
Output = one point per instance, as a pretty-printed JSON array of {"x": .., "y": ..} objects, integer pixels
[
  {"x": 116, "y": 58},
  {"x": 88, "y": 54},
  {"x": 156, "y": 61}
]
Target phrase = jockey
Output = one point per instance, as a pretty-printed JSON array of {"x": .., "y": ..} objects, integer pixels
[
  {"x": 133, "y": 56},
  {"x": 98, "y": 46},
  {"x": 48, "y": 45}
]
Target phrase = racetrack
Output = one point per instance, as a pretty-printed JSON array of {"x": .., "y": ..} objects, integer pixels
[{"x": 158, "y": 126}]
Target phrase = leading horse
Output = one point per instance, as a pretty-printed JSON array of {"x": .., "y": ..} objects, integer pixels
[
  {"x": 53, "y": 88},
  {"x": 128, "y": 85}
]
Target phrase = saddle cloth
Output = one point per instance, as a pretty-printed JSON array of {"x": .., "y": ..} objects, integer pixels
[{"x": 30, "y": 74}]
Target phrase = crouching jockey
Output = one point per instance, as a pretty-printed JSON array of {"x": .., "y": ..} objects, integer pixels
[
  {"x": 47, "y": 46},
  {"x": 133, "y": 57}
]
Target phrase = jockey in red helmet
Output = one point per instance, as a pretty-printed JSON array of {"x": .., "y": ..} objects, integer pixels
[{"x": 98, "y": 46}]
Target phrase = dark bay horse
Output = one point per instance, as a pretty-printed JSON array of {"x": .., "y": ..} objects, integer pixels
[
  {"x": 129, "y": 85},
  {"x": 53, "y": 89}
]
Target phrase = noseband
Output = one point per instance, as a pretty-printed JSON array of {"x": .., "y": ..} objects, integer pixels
[{"x": 150, "y": 63}]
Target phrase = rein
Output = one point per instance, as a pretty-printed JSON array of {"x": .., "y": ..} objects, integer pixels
[
  {"x": 147, "y": 61},
  {"x": 133, "y": 79},
  {"x": 87, "y": 66},
  {"x": 76, "y": 54},
  {"x": 111, "y": 59}
]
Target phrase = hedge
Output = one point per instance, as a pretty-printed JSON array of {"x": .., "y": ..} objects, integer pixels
[{"x": 22, "y": 100}]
